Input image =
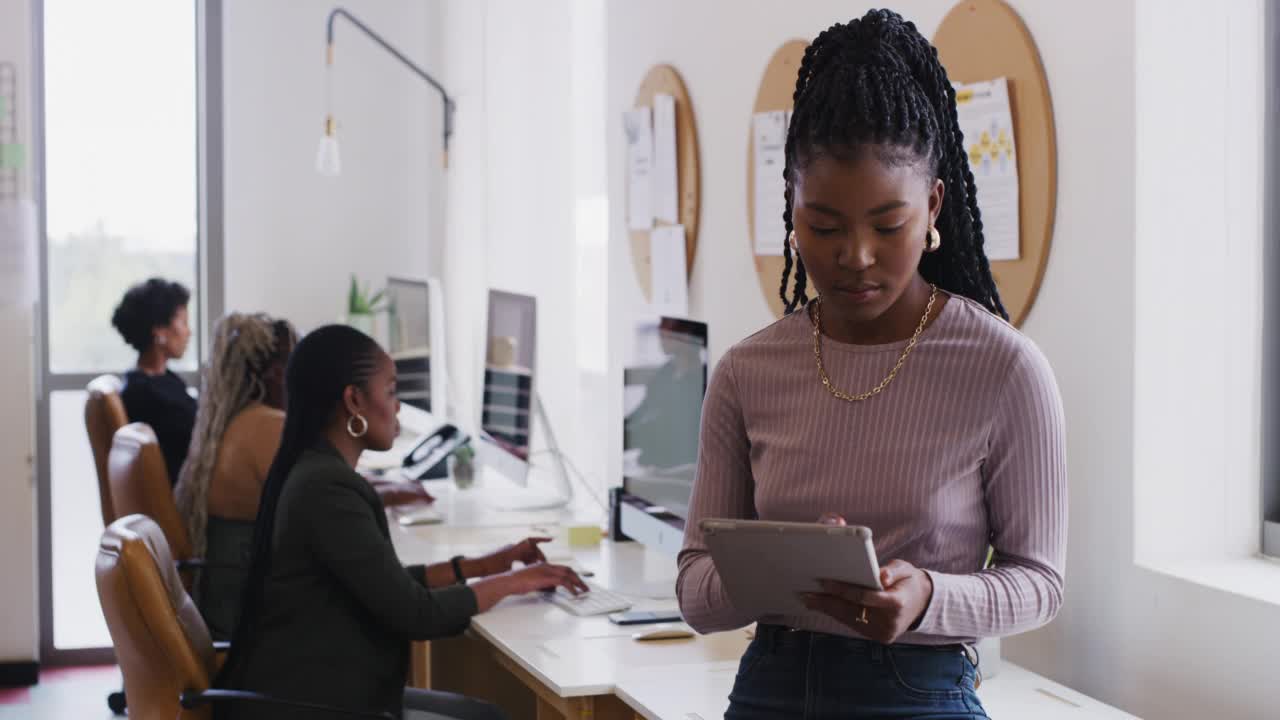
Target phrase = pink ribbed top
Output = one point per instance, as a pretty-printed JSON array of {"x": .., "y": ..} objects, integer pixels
[{"x": 963, "y": 450}]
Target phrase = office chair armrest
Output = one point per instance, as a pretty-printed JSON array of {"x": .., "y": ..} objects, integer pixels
[
  {"x": 191, "y": 699},
  {"x": 202, "y": 564}
]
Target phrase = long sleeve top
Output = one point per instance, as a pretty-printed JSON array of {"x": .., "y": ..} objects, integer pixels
[{"x": 964, "y": 450}]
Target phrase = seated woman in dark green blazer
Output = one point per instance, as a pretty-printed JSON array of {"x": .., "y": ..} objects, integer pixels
[{"x": 328, "y": 610}]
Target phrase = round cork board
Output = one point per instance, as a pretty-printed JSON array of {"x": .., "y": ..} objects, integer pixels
[
  {"x": 983, "y": 40},
  {"x": 776, "y": 90},
  {"x": 665, "y": 79}
]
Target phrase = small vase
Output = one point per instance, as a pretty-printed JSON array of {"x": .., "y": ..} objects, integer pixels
[{"x": 463, "y": 472}]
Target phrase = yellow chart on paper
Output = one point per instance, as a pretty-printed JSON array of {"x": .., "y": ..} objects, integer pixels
[{"x": 987, "y": 125}]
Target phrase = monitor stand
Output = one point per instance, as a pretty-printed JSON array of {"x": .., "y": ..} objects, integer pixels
[{"x": 502, "y": 493}]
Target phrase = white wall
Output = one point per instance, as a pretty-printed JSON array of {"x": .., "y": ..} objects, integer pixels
[
  {"x": 504, "y": 215},
  {"x": 19, "y": 635},
  {"x": 292, "y": 236},
  {"x": 520, "y": 215},
  {"x": 1152, "y": 644},
  {"x": 1193, "y": 420}
]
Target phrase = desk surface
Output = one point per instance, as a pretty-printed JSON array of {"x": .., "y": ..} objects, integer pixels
[
  {"x": 675, "y": 693},
  {"x": 661, "y": 680}
]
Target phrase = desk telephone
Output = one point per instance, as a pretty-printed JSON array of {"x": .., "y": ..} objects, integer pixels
[{"x": 428, "y": 460}]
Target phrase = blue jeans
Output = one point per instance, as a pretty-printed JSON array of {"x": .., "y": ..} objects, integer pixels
[{"x": 815, "y": 676}]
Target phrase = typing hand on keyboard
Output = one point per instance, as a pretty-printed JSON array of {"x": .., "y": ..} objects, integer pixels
[
  {"x": 542, "y": 576},
  {"x": 598, "y": 601}
]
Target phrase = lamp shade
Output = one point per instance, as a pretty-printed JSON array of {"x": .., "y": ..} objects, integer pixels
[{"x": 328, "y": 160}]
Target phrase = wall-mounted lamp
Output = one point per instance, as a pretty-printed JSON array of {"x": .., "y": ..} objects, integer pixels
[{"x": 328, "y": 159}]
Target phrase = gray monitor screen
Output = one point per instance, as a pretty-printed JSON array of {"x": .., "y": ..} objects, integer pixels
[
  {"x": 662, "y": 396},
  {"x": 409, "y": 339},
  {"x": 507, "y": 412}
]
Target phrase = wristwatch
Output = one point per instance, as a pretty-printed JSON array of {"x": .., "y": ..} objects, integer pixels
[{"x": 456, "y": 562}]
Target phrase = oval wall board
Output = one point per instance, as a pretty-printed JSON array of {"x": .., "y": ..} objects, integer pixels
[
  {"x": 777, "y": 87},
  {"x": 983, "y": 40},
  {"x": 665, "y": 79}
]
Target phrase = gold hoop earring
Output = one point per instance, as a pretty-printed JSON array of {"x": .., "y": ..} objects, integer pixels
[
  {"x": 364, "y": 426},
  {"x": 934, "y": 240}
]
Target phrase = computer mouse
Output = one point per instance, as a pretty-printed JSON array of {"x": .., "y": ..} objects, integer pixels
[
  {"x": 419, "y": 516},
  {"x": 664, "y": 632}
]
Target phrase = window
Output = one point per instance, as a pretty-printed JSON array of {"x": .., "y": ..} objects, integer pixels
[
  {"x": 123, "y": 161},
  {"x": 120, "y": 166}
]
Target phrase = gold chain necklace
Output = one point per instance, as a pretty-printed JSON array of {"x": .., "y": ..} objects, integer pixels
[{"x": 822, "y": 371}]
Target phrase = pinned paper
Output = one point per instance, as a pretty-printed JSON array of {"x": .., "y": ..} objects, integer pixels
[
  {"x": 13, "y": 156},
  {"x": 987, "y": 124},
  {"x": 666, "y": 191},
  {"x": 670, "y": 280},
  {"x": 639, "y": 130},
  {"x": 18, "y": 273},
  {"x": 769, "y": 139}
]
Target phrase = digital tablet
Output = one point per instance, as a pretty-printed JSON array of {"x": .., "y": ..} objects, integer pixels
[{"x": 765, "y": 565}]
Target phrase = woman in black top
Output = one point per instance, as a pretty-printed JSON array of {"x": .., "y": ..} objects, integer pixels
[
  {"x": 328, "y": 611},
  {"x": 152, "y": 318}
]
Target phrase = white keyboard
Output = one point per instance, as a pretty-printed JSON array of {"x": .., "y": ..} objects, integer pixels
[{"x": 597, "y": 602}]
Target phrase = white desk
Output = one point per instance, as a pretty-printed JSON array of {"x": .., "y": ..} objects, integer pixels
[
  {"x": 539, "y": 661},
  {"x": 687, "y": 693}
]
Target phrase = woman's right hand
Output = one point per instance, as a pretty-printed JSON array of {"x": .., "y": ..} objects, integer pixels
[{"x": 543, "y": 576}]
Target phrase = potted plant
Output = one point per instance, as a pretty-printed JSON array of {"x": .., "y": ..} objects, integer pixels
[
  {"x": 362, "y": 307},
  {"x": 461, "y": 466}
]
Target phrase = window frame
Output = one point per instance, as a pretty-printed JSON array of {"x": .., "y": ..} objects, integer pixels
[
  {"x": 210, "y": 286},
  {"x": 1270, "y": 540}
]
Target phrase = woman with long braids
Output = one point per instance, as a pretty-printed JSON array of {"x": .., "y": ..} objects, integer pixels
[
  {"x": 237, "y": 433},
  {"x": 897, "y": 397},
  {"x": 236, "y": 436},
  {"x": 328, "y": 610}
]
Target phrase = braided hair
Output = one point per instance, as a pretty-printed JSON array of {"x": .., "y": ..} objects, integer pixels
[
  {"x": 321, "y": 367},
  {"x": 877, "y": 81},
  {"x": 244, "y": 349}
]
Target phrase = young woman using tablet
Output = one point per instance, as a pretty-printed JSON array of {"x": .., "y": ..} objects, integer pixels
[{"x": 897, "y": 397}]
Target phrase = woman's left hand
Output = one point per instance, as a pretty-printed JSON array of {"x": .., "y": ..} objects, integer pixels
[
  {"x": 525, "y": 552},
  {"x": 880, "y": 615}
]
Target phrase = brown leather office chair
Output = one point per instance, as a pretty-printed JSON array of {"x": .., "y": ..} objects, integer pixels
[
  {"x": 103, "y": 415},
  {"x": 161, "y": 642},
  {"x": 139, "y": 484}
]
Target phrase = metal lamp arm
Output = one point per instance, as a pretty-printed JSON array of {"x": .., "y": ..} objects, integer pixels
[{"x": 373, "y": 35}]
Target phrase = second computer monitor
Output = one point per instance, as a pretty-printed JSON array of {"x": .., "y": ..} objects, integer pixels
[
  {"x": 506, "y": 414},
  {"x": 415, "y": 340},
  {"x": 662, "y": 392}
]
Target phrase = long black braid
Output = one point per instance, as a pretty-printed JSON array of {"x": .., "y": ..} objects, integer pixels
[
  {"x": 320, "y": 368},
  {"x": 877, "y": 81}
]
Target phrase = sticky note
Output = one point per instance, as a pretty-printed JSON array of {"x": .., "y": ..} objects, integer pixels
[
  {"x": 12, "y": 156},
  {"x": 584, "y": 535}
]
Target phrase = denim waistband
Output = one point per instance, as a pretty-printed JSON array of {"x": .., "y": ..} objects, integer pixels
[{"x": 777, "y": 637}]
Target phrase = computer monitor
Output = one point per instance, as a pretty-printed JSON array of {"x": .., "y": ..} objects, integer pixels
[
  {"x": 416, "y": 342},
  {"x": 663, "y": 389},
  {"x": 508, "y": 405}
]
